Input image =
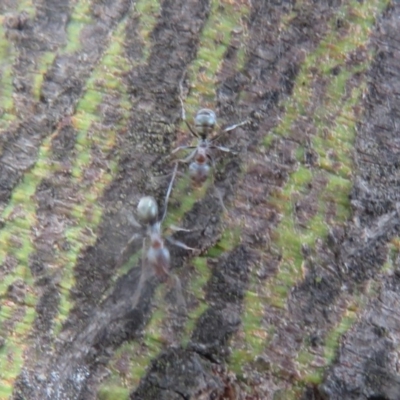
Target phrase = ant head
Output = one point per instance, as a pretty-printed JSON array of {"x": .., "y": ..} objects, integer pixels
[
  {"x": 205, "y": 121},
  {"x": 147, "y": 210}
]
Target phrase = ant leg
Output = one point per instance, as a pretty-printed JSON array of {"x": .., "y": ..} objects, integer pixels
[
  {"x": 169, "y": 192},
  {"x": 211, "y": 160},
  {"x": 228, "y": 129},
  {"x": 144, "y": 275},
  {"x": 190, "y": 156},
  {"x": 124, "y": 250},
  {"x": 133, "y": 238},
  {"x": 144, "y": 255},
  {"x": 224, "y": 149},
  {"x": 179, "y": 244},
  {"x": 192, "y": 131},
  {"x": 232, "y": 127},
  {"x": 182, "y": 148},
  {"x": 132, "y": 220},
  {"x": 178, "y": 229}
]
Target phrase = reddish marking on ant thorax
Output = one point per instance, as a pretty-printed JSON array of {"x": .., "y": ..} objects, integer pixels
[
  {"x": 156, "y": 243},
  {"x": 159, "y": 259},
  {"x": 201, "y": 155},
  {"x": 201, "y": 158}
]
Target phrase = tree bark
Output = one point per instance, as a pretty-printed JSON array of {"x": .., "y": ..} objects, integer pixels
[{"x": 292, "y": 290}]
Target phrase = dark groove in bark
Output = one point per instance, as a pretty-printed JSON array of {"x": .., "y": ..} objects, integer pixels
[
  {"x": 364, "y": 368},
  {"x": 226, "y": 288},
  {"x": 61, "y": 89},
  {"x": 93, "y": 332}
]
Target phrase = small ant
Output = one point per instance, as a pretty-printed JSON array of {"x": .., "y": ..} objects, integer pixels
[
  {"x": 156, "y": 260},
  {"x": 204, "y": 122}
]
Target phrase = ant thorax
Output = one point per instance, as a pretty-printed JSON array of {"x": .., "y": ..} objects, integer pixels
[
  {"x": 156, "y": 241},
  {"x": 159, "y": 258},
  {"x": 201, "y": 154},
  {"x": 153, "y": 233},
  {"x": 199, "y": 170}
]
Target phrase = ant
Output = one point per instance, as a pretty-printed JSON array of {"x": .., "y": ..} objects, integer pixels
[
  {"x": 156, "y": 260},
  {"x": 204, "y": 122}
]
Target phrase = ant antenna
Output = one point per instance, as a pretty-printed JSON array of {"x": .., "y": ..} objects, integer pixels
[
  {"x": 183, "y": 112},
  {"x": 169, "y": 192}
]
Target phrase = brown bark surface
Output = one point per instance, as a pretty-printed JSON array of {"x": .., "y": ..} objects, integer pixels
[{"x": 293, "y": 291}]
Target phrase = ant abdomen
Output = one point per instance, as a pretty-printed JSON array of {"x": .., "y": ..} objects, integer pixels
[{"x": 199, "y": 172}]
